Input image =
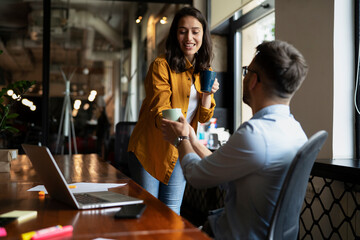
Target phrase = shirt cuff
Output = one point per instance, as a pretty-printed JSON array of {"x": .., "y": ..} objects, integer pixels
[{"x": 189, "y": 158}]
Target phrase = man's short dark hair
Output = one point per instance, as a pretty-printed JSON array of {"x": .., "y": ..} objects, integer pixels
[{"x": 283, "y": 65}]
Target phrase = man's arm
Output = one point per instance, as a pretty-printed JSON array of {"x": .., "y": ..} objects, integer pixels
[
  {"x": 172, "y": 130},
  {"x": 243, "y": 154},
  {"x": 185, "y": 148},
  {"x": 189, "y": 146},
  {"x": 198, "y": 147}
]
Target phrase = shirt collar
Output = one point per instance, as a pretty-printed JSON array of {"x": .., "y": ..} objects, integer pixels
[
  {"x": 188, "y": 64},
  {"x": 278, "y": 109}
]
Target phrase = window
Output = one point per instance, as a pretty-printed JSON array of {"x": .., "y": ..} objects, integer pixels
[
  {"x": 253, "y": 35},
  {"x": 252, "y": 25}
]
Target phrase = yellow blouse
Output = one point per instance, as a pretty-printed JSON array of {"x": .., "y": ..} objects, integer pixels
[{"x": 164, "y": 89}]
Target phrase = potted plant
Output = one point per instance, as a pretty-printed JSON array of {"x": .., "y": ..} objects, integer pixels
[
  {"x": 19, "y": 88},
  {"x": 6, "y": 116}
]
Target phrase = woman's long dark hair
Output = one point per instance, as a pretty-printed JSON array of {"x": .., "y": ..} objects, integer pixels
[{"x": 175, "y": 57}]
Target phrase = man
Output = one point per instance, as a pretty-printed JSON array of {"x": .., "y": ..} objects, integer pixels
[{"x": 252, "y": 165}]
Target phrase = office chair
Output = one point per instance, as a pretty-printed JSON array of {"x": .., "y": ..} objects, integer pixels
[
  {"x": 123, "y": 132},
  {"x": 285, "y": 220}
]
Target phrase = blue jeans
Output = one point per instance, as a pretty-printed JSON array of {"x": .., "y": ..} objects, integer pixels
[{"x": 171, "y": 194}]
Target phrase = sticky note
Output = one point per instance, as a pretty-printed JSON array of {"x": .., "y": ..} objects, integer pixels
[{"x": 2, "y": 232}]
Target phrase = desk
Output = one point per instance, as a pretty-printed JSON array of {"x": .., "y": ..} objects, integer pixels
[
  {"x": 157, "y": 222},
  {"x": 345, "y": 170}
]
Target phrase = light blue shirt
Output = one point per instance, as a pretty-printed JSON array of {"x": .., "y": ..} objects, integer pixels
[{"x": 251, "y": 167}]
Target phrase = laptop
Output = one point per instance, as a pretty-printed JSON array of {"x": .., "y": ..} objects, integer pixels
[{"x": 56, "y": 185}]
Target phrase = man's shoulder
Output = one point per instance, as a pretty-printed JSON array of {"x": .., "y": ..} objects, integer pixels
[
  {"x": 270, "y": 124},
  {"x": 249, "y": 129},
  {"x": 252, "y": 125}
]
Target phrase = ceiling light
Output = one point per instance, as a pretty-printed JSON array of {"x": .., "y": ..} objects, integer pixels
[
  {"x": 86, "y": 71},
  {"x": 77, "y": 104},
  {"x": 138, "y": 20},
  {"x": 86, "y": 106},
  {"x": 10, "y": 92},
  {"x": 163, "y": 20},
  {"x": 74, "y": 112},
  {"x": 16, "y": 97},
  {"x": 92, "y": 96},
  {"x": 27, "y": 102}
]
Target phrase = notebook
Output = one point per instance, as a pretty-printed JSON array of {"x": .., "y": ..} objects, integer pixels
[{"x": 56, "y": 185}]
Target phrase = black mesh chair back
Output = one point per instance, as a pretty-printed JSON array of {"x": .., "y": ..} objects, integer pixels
[
  {"x": 123, "y": 132},
  {"x": 285, "y": 220}
]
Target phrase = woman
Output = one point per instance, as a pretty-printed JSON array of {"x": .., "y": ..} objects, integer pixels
[{"x": 172, "y": 82}]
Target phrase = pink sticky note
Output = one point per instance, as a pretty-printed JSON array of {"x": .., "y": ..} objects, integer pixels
[{"x": 2, "y": 232}]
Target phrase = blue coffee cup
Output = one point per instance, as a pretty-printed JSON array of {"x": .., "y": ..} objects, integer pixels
[{"x": 207, "y": 79}]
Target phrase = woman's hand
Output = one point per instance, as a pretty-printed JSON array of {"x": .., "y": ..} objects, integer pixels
[
  {"x": 206, "y": 97},
  {"x": 215, "y": 86}
]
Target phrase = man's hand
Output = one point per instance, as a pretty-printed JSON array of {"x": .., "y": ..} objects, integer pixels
[{"x": 172, "y": 129}]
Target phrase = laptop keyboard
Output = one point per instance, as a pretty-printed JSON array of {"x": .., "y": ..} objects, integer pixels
[{"x": 85, "y": 198}]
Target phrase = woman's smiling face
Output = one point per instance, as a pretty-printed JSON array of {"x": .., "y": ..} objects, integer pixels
[{"x": 190, "y": 34}]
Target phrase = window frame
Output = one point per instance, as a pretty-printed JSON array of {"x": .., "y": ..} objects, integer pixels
[
  {"x": 236, "y": 25},
  {"x": 357, "y": 71}
]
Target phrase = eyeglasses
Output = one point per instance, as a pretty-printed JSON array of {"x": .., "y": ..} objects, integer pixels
[{"x": 245, "y": 70}]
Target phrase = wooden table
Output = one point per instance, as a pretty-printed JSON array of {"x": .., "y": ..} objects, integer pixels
[{"x": 157, "y": 222}]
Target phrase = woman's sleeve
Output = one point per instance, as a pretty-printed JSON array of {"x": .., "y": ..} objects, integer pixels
[
  {"x": 207, "y": 113},
  {"x": 158, "y": 89}
]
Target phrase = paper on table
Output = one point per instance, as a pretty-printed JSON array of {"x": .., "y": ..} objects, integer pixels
[
  {"x": 84, "y": 187},
  {"x": 20, "y": 215}
]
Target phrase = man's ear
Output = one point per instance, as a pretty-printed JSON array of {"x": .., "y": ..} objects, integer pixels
[{"x": 253, "y": 81}]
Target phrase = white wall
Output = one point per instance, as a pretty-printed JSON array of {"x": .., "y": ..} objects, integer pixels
[
  {"x": 324, "y": 37},
  {"x": 221, "y": 10},
  {"x": 201, "y": 5},
  {"x": 323, "y": 31}
]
